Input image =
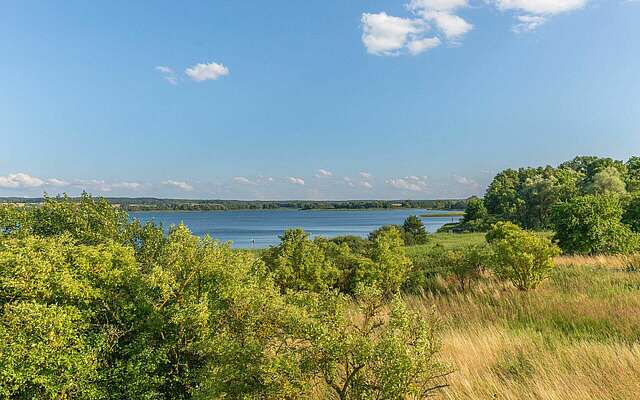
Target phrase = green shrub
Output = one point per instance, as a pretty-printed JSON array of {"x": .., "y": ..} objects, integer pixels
[
  {"x": 592, "y": 224},
  {"x": 299, "y": 263},
  {"x": 522, "y": 257},
  {"x": 390, "y": 266},
  {"x": 372, "y": 351}
]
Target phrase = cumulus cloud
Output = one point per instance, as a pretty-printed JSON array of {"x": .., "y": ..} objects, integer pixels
[
  {"x": 421, "y": 45},
  {"x": 452, "y": 26},
  {"x": 384, "y": 34},
  {"x": 19, "y": 181},
  {"x": 295, "y": 181},
  {"x": 366, "y": 184},
  {"x": 323, "y": 173},
  {"x": 412, "y": 183},
  {"x": 206, "y": 72},
  {"x": 537, "y": 12},
  {"x": 187, "y": 187},
  {"x": 366, "y": 175}
]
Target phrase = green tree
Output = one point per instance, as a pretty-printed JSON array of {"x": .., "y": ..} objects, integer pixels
[
  {"x": 299, "y": 263},
  {"x": 631, "y": 215},
  {"x": 390, "y": 266},
  {"x": 592, "y": 224},
  {"x": 413, "y": 231},
  {"x": 502, "y": 198},
  {"x": 522, "y": 257},
  {"x": 608, "y": 180},
  {"x": 372, "y": 351},
  {"x": 475, "y": 210}
]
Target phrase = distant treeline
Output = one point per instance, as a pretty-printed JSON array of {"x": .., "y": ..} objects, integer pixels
[{"x": 153, "y": 204}]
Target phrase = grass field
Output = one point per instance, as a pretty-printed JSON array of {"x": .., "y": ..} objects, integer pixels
[{"x": 575, "y": 337}]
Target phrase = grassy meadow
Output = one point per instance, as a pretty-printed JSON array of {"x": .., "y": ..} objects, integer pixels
[{"x": 575, "y": 337}]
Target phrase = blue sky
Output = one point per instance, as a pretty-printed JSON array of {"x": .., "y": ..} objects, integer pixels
[{"x": 315, "y": 99}]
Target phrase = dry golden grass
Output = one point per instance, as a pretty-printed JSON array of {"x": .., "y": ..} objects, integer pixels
[
  {"x": 575, "y": 337},
  {"x": 493, "y": 363},
  {"x": 616, "y": 261}
]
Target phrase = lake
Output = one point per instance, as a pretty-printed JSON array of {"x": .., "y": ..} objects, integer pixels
[{"x": 243, "y": 227}]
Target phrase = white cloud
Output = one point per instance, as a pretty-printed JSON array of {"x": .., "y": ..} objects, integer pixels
[
  {"x": 20, "y": 181},
  {"x": 57, "y": 182},
  {"x": 437, "y": 5},
  {"x": 295, "y": 181},
  {"x": 205, "y": 72},
  {"x": 537, "y": 11},
  {"x": 411, "y": 183},
  {"x": 127, "y": 185},
  {"x": 366, "y": 175},
  {"x": 243, "y": 181},
  {"x": 164, "y": 69},
  {"x": 528, "y": 23},
  {"x": 442, "y": 14},
  {"x": 169, "y": 74},
  {"x": 466, "y": 181},
  {"x": 179, "y": 185},
  {"x": 366, "y": 184},
  {"x": 452, "y": 26},
  {"x": 348, "y": 181},
  {"x": 322, "y": 173},
  {"x": 541, "y": 7},
  {"x": 421, "y": 45},
  {"x": 384, "y": 34}
]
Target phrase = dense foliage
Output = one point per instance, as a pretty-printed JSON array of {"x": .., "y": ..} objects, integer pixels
[
  {"x": 591, "y": 202},
  {"x": 592, "y": 224},
  {"x": 522, "y": 257},
  {"x": 93, "y": 306}
]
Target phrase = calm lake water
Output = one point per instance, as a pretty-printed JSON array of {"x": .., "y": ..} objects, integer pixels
[{"x": 264, "y": 226}]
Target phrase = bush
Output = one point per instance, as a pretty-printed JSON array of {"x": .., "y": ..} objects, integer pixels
[
  {"x": 521, "y": 257},
  {"x": 390, "y": 266},
  {"x": 592, "y": 224},
  {"x": 371, "y": 351},
  {"x": 299, "y": 263},
  {"x": 412, "y": 231}
]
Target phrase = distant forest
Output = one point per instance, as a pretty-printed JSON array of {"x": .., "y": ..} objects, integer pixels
[{"x": 153, "y": 204}]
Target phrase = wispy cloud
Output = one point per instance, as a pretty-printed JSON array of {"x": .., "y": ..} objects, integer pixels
[
  {"x": 207, "y": 72},
  {"x": 182, "y": 185},
  {"x": 412, "y": 183},
  {"x": 463, "y": 180},
  {"x": 168, "y": 74},
  {"x": 323, "y": 173},
  {"x": 295, "y": 181},
  {"x": 243, "y": 181}
]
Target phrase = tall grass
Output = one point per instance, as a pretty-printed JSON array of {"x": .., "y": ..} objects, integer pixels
[{"x": 575, "y": 337}]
